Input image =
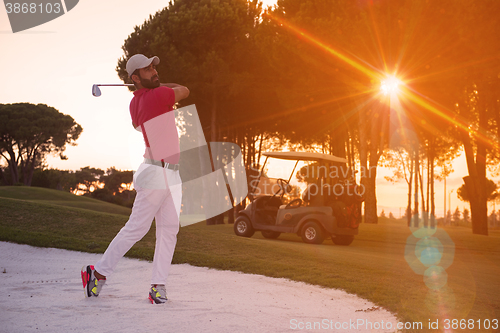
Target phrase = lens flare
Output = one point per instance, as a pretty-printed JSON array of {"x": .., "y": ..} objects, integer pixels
[{"x": 390, "y": 85}]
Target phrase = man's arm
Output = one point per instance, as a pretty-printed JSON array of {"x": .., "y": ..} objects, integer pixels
[
  {"x": 181, "y": 92},
  {"x": 170, "y": 85}
]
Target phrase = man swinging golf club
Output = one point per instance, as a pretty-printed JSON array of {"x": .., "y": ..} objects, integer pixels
[{"x": 157, "y": 180}]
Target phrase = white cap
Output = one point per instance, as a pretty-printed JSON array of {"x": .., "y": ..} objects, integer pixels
[{"x": 138, "y": 61}]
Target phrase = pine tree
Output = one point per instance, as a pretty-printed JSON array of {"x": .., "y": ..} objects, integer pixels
[
  {"x": 466, "y": 216},
  {"x": 456, "y": 217}
]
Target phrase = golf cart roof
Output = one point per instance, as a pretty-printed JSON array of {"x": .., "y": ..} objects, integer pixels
[{"x": 304, "y": 156}]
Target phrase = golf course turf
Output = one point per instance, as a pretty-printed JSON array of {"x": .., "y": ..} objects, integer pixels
[{"x": 373, "y": 266}]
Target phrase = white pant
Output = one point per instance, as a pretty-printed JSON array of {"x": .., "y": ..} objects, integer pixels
[{"x": 153, "y": 200}]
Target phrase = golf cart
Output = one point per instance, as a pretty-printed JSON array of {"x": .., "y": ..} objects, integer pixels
[{"x": 331, "y": 207}]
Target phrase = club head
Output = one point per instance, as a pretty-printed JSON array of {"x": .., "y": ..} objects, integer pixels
[{"x": 96, "y": 92}]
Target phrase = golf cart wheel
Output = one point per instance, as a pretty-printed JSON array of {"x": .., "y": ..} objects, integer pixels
[
  {"x": 270, "y": 234},
  {"x": 312, "y": 233},
  {"x": 243, "y": 227},
  {"x": 343, "y": 239}
]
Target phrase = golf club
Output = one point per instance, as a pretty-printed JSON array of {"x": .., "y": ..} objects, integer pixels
[{"x": 96, "y": 92}]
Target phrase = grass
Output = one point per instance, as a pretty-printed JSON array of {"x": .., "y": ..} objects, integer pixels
[
  {"x": 373, "y": 267},
  {"x": 60, "y": 198}
]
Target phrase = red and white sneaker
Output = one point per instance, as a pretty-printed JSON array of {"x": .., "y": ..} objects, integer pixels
[{"x": 91, "y": 285}]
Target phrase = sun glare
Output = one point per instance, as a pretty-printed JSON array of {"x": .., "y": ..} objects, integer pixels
[{"x": 390, "y": 85}]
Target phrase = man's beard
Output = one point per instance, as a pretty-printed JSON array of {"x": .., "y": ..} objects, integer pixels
[{"x": 149, "y": 83}]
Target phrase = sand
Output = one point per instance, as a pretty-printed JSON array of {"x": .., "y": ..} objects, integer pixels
[{"x": 41, "y": 291}]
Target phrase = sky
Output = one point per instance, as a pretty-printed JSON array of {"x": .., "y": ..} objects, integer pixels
[{"x": 58, "y": 62}]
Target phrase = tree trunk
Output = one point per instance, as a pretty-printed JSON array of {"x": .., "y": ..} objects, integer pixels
[
  {"x": 475, "y": 188},
  {"x": 371, "y": 215},
  {"x": 409, "y": 211},
  {"x": 478, "y": 206},
  {"x": 348, "y": 150},
  {"x": 260, "y": 150},
  {"x": 433, "y": 204},
  {"x": 14, "y": 172},
  {"x": 482, "y": 204},
  {"x": 351, "y": 149},
  {"x": 476, "y": 165},
  {"x": 375, "y": 149},
  {"x": 230, "y": 215},
  {"x": 363, "y": 154},
  {"x": 420, "y": 176},
  {"x": 30, "y": 168},
  {"x": 416, "y": 221},
  {"x": 213, "y": 120},
  {"x": 426, "y": 216},
  {"x": 213, "y": 138},
  {"x": 2, "y": 174},
  {"x": 12, "y": 163}
]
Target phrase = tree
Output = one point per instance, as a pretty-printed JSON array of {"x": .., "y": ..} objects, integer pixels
[
  {"x": 448, "y": 218},
  {"x": 116, "y": 188},
  {"x": 492, "y": 219},
  {"x": 401, "y": 163},
  {"x": 391, "y": 216},
  {"x": 456, "y": 217},
  {"x": 479, "y": 104},
  {"x": 5, "y": 177},
  {"x": 29, "y": 132},
  {"x": 382, "y": 213},
  {"x": 115, "y": 179},
  {"x": 466, "y": 216},
  {"x": 89, "y": 178},
  {"x": 441, "y": 151},
  {"x": 63, "y": 180},
  {"x": 491, "y": 191},
  {"x": 464, "y": 90}
]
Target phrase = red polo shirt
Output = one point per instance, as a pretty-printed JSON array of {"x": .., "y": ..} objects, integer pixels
[{"x": 151, "y": 105}]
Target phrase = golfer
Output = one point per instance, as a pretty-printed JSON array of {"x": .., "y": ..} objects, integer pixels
[{"x": 157, "y": 180}]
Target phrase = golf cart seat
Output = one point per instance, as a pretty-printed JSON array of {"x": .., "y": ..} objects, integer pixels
[
  {"x": 267, "y": 209},
  {"x": 313, "y": 196}
]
